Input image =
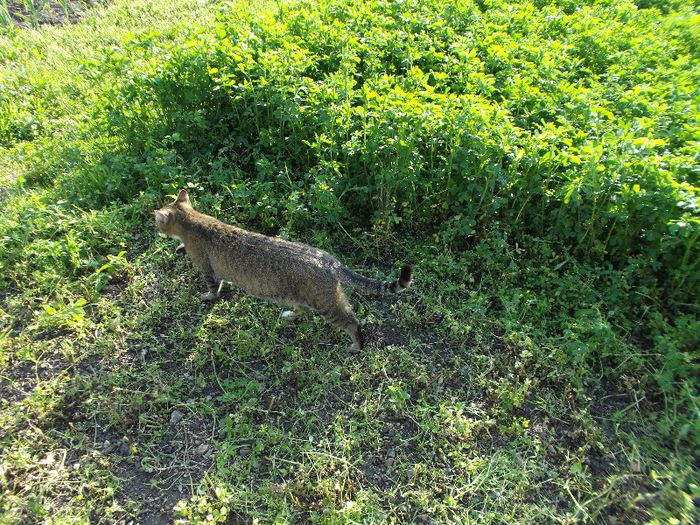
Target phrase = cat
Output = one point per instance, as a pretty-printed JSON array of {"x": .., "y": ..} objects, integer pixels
[{"x": 291, "y": 273}]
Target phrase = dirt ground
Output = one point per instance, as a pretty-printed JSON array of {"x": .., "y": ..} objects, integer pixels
[{"x": 33, "y": 13}]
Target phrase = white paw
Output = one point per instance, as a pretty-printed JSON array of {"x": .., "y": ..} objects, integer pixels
[{"x": 209, "y": 296}]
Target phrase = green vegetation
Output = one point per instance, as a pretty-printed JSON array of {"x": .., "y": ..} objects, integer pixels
[{"x": 537, "y": 163}]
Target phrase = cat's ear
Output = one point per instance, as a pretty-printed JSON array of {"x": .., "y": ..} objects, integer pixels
[
  {"x": 162, "y": 217},
  {"x": 183, "y": 197}
]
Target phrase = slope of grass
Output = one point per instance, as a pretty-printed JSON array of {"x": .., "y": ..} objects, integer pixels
[{"x": 536, "y": 162}]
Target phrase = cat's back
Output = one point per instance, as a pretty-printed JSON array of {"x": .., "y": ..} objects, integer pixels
[
  {"x": 231, "y": 245},
  {"x": 287, "y": 255},
  {"x": 209, "y": 233}
]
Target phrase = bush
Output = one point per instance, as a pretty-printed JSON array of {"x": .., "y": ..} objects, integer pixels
[{"x": 575, "y": 125}]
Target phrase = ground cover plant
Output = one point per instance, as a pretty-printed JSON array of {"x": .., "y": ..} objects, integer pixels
[{"x": 536, "y": 163}]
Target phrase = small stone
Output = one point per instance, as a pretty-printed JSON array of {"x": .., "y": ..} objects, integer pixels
[
  {"x": 244, "y": 452},
  {"x": 175, "y": 417},
  {"x": 124, "y": 449},
  {"x": 391, "y": 453},
  {"x": 106, "y": 446},
  {"x": 202, "y": 449}
]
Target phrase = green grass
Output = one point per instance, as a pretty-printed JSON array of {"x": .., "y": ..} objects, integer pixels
[{"x": 536, "y": 162}]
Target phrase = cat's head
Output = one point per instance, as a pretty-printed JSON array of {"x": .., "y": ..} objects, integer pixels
[{"x": 166, "y": 217}]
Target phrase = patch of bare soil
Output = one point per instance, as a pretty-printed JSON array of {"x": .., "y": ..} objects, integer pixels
[
  {"x": 34, "y": 13},
  {"x": 184, "y": 453}
]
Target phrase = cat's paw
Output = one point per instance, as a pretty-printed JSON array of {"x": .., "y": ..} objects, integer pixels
[
  {"x": 209, "y": 296},
  {"x": 180, "y": 250}
]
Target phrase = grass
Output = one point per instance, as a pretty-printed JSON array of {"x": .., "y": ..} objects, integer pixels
[{"x": 543, "y": 368}]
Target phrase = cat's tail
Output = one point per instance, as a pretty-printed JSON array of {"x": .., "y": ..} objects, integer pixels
[{"x": 367, "y": 285}]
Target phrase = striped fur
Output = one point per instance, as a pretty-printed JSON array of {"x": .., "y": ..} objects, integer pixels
[{"x": 290, "y": 273}]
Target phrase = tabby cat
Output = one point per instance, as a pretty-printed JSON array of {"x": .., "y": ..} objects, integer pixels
[{"x": 290, "y": 273}]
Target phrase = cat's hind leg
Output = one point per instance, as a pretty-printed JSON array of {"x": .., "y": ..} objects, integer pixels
[
  {"x": 354, "y": 330},
  {"x": 339, "y": 313}
]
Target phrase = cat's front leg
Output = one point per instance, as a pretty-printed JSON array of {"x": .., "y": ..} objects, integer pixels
[{"x": 214, "y": 287}]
